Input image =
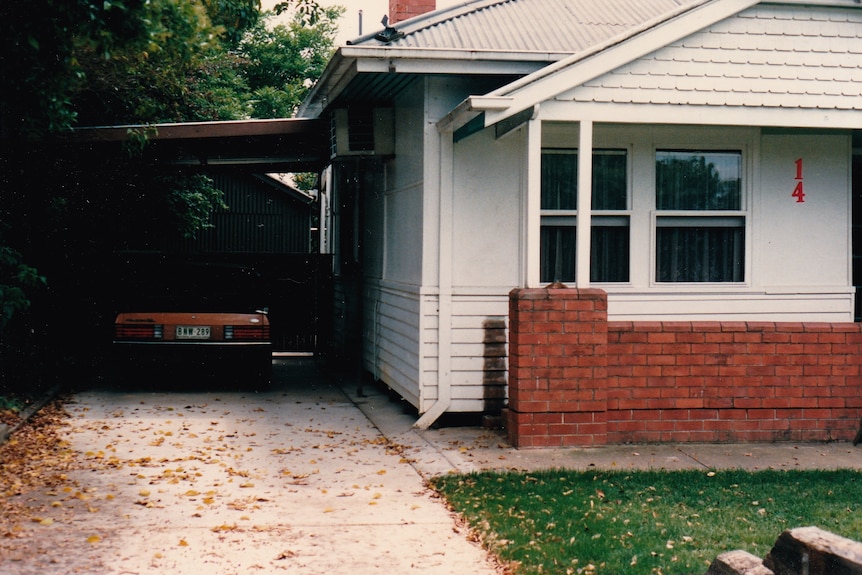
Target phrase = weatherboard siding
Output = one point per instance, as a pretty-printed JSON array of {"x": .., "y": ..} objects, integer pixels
[
  {"x": 398, "y": 320},
  {"x": 770, "y": 56},
  {"x": 391, "y": 332}
]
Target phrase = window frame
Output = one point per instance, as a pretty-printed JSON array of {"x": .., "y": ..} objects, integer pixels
[
  {"x": 621, "y": 218},
  {"x": 688, "y": 218}
]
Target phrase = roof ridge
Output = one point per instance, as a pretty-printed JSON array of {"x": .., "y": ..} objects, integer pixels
[{"x": 433, "y": 18}]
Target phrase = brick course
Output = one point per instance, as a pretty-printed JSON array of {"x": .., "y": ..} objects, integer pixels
[{"x": 676, "y": 381}]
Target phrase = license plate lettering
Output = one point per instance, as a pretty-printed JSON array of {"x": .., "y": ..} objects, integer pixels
[{"x": 193, "y": 332}]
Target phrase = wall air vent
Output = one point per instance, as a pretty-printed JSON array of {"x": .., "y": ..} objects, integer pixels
[{"x": 358, "y": 131}]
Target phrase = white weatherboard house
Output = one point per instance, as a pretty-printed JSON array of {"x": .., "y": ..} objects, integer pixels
[{"x": 691, "y": 159}]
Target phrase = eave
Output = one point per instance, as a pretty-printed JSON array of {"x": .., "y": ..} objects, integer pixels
[
  {"x": 286, "y": 145},
  {"x": 400, "y": 64}
]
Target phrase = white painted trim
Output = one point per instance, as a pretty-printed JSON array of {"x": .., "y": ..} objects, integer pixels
[
  {"x": 615, "y": 113},
  {"x": 533, "y": 202},
  {"x": 483, "y": 103},
  {"x": 827, "y": 304},
  {"x": 580, "y": 68},
  {"x": 446, "y": 186},
  {"x": 585, "y": 203}
]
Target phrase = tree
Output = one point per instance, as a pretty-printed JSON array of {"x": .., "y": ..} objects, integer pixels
[
  {"x": 66, "y": 63},
  {"x": 282, "y": 62}
]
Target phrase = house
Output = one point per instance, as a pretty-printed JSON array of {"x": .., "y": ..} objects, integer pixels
[{"x": 622, "y": 220}]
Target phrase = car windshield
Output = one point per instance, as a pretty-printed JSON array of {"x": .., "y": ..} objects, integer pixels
[{"x": 190, "y": 286}]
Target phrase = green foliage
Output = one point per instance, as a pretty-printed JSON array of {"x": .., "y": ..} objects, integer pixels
[
  {"x": 305, "y": 181},
  {"x": 142, "y": 82},
  {"x": 217, "y": 89},
  {"x": 15, "y": 278},
  {"x": 233, "y": 17},
  {"x": 282, "y": 62},
  {"x": 87, "y": 62},
  {"x": 38, "y": 68},
  {"x": 191, "y": 200},
  {"x": 566, "y": 522},
  {"x": 66, "y": 63},
  {"x": 309, "y": 11}
]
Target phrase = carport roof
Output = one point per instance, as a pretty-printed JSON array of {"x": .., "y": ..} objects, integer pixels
[{"x": 280, "y": 145}]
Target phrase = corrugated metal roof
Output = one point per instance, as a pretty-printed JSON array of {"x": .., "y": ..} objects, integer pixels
[{"x": 525, "y": 25}]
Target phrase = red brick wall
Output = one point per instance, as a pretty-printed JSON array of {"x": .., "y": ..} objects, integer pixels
[
  {"x": 557, "y": 367},
  {"x": 575, "y": 379}
]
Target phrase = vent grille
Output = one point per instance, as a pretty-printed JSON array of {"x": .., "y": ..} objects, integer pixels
[{"x": 360, "y": 129}]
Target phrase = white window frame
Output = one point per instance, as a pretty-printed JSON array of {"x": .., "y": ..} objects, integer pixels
[
  {"x": 744, "y": 213},
  {"x": 569, "y": 217}
]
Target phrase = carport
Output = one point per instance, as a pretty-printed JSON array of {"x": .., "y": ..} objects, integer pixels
[{"x": 238, "y": 155}]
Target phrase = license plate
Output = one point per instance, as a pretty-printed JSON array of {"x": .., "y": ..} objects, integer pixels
[{"x": 193, "y": 332}]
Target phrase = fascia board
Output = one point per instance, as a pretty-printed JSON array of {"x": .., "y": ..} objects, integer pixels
[
  {"x": 802, "y": 118},
  {"x": 469, "y": 109},
  {"x": 827, "y": 3},
  {"x": 358, "y": 52},
  {"x": 459, "y": 66},
  {"x": 566, "y": 74},
  {"x": 348, "y": 61},
  {"x": 333, "y": 75}
]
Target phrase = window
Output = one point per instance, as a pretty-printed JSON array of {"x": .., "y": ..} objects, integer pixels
[
  {"x": 700, "y": 224},
  {"x": 609, "y": 253}
]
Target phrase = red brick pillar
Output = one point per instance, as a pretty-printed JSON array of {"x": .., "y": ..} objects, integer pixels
[{"x": 558, "y": 340}]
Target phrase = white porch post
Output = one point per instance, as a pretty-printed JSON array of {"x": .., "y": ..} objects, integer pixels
[
  {"x": 585, "y": 203},
  {"x": 533, "y": 205}
]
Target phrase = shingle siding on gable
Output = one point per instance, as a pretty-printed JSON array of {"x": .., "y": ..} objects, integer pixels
[{"x": 769, "y": 56}]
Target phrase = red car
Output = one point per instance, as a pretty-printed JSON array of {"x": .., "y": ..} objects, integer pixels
[{"x": 201, "y": 316}]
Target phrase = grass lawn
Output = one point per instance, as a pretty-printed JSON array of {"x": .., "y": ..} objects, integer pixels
[{"x": 646, "y": 522}]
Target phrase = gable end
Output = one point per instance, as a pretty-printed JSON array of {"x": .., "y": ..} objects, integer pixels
[{"x": 769, "y": 56}]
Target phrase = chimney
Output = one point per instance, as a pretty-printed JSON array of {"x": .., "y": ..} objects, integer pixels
[{"x": 403, "y": 9}]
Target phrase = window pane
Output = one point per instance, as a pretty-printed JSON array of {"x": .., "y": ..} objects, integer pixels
[
  {"x": 698, "y": 180},
  {"x": 700, "y": 254},
  {"x": 609, "y": 254},
  {"x": 559, "y": 180},
  {"x": 610, "y": 184},
  {"x": 558, "y": 253}
]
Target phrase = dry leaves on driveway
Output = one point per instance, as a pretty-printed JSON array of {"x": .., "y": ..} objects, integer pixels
[{"x": 229, "y": 483}]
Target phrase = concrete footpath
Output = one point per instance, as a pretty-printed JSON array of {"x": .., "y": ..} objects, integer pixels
[
  {"x": 470, "y": 449},
  {"x": 308, "y": 477}
]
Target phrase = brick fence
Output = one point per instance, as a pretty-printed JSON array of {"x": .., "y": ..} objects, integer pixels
[{"x": 576, "y": 379}]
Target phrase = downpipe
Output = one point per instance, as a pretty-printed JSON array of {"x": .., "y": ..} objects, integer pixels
[{"x": 446, "y": 187}]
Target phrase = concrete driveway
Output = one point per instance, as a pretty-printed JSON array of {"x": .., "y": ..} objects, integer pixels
[{"x": 293, "y": 480}]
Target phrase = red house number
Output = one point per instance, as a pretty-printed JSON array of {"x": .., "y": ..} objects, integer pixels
[{"x": 798, "y": 191}]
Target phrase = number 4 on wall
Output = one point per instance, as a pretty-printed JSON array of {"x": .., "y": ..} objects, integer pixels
[{"x": 798, "y": 191}]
